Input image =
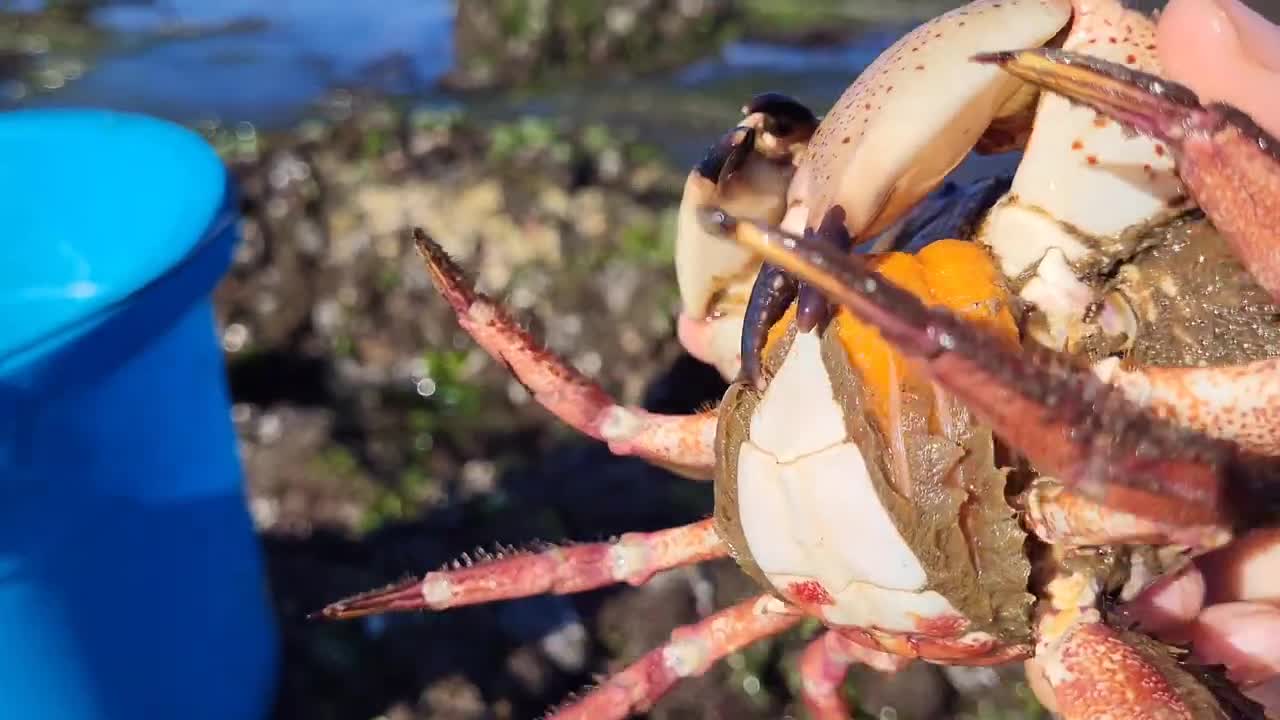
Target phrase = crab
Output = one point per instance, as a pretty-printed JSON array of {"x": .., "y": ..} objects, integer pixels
[{"x": 939, "y": 454}]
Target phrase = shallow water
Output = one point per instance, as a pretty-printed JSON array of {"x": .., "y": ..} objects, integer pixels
[{"x": 268, "y": 64}]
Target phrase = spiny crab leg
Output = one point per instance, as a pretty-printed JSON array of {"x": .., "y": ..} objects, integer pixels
[
  {"x": 684, "y": 443},
  {"x": 1066, "y": 519},
  {"x": 1239, "y": 403},
  {"x": 633, "y": 559},
  {"x": 823, "y": 667},
  {"x": 1230, "y": 165},
  {"x": 1065, "y": 420},
  {"x": 692, "y": 650}
]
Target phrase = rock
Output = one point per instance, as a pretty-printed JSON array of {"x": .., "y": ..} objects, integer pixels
[{"x": 516, "y": 42}]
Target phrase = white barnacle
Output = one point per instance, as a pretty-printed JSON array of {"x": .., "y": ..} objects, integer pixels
[
  {"x": 620, "y": 424},
  {"x": 685, "y": 657},
  {"x": 437, "y": 591},
  {"x": 628, "y": 559},
  {"x": 481, "y": 312}
]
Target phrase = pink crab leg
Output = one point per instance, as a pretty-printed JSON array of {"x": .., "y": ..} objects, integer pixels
[
  {"x": 682, "y": 442},
  {"x": 824, "y": 665},
  {"x": 1066, "y": 421},
  {"x": 1230, "y": 165},
  {"x": 693, "y": 649},
  {"x": 1060, "y": 517},
  {"x": 1240, "y": 403},
  {"x": 633, "y": 559}
]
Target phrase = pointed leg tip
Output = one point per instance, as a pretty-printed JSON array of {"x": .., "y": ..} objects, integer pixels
[
  {"x": 430, "y": 250},
  {"x": 331, "y": 612},
  {"x": 447, "y": 276},
  {"x": 401, "y": 597}
]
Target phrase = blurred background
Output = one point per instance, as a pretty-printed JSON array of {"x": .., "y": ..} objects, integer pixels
[{"x": 544, "y": 143}]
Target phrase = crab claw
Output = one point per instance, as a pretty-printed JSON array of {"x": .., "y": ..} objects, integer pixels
[
  {"x": 1094, "y": 669},
  {"x": 1229, "y": 164},
  {"x": 1065, "y": 420},
  {"x": 747, "y": 170}
]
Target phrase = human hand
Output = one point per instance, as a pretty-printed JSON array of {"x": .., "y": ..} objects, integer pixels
[
  {"x": 1226, "y": 607},
  {"x": 1223, "y": 51}
]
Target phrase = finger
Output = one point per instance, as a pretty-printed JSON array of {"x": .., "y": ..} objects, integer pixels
[
  {"x": 1170, "y": 603},
  {"x": 1241, "y": 636},
  {"x": 1247, "y": 569},
  {"x": 1224, "y": 51}
]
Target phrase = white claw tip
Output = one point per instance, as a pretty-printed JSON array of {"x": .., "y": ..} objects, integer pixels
[
  {"x": 685, "y": 657},
  {"x": 480, "y": 312}
]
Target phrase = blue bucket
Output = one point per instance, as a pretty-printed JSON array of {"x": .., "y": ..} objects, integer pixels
[{"x": 131, "y": 581}]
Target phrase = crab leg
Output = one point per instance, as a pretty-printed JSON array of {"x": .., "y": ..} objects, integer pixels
[
  {"x": 1060, "y": 517},
  {"x": 684, "y": 443},
  {"x": 1230, "y": 165},
  {"x": 633, "y": 559},
  {"x": 823, "y": 667},
  {"x": 1066, "y": 421},
  {"x": 693, "y": 649},
  {"x": 1240, "y": 403}
]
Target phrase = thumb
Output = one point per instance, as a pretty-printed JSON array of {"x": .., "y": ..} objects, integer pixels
[{"x": 1224, "y": 51}]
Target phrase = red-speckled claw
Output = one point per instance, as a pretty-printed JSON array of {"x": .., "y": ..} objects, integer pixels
[{"x": 1094, "y": 669}]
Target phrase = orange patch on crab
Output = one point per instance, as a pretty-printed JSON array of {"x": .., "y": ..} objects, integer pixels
[
  {"x": 809, "y": 592},
  {"x": 955, "y": 274},
  {"x": 963, "y": 277},
  {"x": 779, "y": 329}
]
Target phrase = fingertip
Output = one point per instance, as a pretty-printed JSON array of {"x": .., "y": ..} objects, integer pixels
[
  {"x": 1170, "y": 603},
  {"x": 1247, "y": 569},
  {"x": 1225, "y": 52},
  {"x": 1242, "y": 636}
]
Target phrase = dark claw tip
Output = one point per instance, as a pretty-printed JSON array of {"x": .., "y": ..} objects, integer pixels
[
  {"x": 776, "y": 103},
  {"x": 783, "y": 113},
  {"x": 727, "y": 155},
  {"x": 995, "y": 58}
]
